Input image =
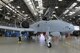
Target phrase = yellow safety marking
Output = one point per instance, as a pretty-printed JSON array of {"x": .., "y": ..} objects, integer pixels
[{"x": 19, "y": 42}]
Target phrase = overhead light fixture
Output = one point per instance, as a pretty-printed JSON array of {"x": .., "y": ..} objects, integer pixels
[
  {"x": 37, "y": 7},
  {"x": 18, "y": 14},
  {"x": 56, "y": 7},
  {"x": 8, "y": 13},
  {"x": 9, "y": 7},
  {"x": 28, "y": 17},
  {"x": 30, "y": 3},
  {"x": 59, "y": 0},
  {"x": 13, "y": 7},
  {"x": 0, "y": 9},
  {"x": 53, "y": 12},
  {"x": 10, "y": 0},
  {"x": 18, "y": 7},
  {"x": 26, "y": 14},
  {"x": 54, "y": 15},
  {"x": 6, "y": 17},
  {"x": 14, "y": 16},
  {"x": 77, "y": 7},
  {"x": 28, "y": 0},
  {"x": 78, "y": 0},
  {"x": 66, "y": 11},
  {"x": 71, "y": 13},
  {"x": 35, "y": 13},
  {"x": 23, "y": 11},
  {"x": 74, "y": 4},
  {"x": 36, "y": 0}
]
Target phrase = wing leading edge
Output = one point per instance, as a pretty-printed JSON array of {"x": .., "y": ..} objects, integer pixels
[{"x": 16, "y": 29}]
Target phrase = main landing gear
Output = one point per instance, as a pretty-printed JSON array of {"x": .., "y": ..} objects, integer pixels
[{"x": 19, "y": 39}]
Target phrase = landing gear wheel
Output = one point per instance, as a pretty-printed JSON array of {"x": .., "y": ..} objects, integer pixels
[{"x": 49, "y": 45}]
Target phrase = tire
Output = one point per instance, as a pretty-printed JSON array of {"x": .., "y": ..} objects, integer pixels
[{"x": 49, "y": 45}]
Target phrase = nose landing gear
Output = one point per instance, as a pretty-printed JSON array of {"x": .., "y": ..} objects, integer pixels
[
  {"x": 48, "y": 40},
  {"x": 49, "y": 45}
]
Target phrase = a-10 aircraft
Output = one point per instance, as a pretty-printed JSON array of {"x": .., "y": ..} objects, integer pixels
[{"x": 51, "y": 26}]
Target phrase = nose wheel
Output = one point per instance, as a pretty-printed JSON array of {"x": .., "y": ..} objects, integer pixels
[{"x": 49, "y": 45}]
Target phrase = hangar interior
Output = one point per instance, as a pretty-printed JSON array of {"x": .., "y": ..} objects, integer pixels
[{"x": 22, "y": 13}]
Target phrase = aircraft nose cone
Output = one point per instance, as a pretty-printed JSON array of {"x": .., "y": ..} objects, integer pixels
[{"x": 71, "y": 27}]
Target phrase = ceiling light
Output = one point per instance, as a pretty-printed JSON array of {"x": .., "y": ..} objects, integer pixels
[
  {"x": 6, "y": 17},
  {"x": 13, "y": 7},
  {"x": 37, "y": 7},
  {"x": 30, "y": 3},
  {"x": 0, "y": 9},
  {"x": 36, "y": 0},
  {"x": 14, "y": 16},
  {"x": 18, "y": 14},
  {"x": 66, "y": 11},
  {"x": 78, "y": 0},
  {"x": 77, "y": 7},
  {"x": 54, "y": 15},
  {"x": 8, "y": 13},
  {"x": 35, "y": 13},
  {"x": 56, "y": 7},
  {"x": 23, "y": 11},
  {"x": 71, "y": 13},
  {"x": 18, "y": 6},
  {"x": 11, "y": 0},
  {"x": 26, "y": 14},
  {"x": 28, "y": 0},
  {"x": 28, "y": 17},
  {"x": 74, "y": 4},
  {"x": 53, "y": 12},
  {"x": 59, "y": 0}
]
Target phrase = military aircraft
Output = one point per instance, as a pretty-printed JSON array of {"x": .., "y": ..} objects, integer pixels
[{"x": 54, "y": 27}]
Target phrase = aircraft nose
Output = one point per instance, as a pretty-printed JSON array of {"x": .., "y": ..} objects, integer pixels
[{"x": 71, "y": 27}]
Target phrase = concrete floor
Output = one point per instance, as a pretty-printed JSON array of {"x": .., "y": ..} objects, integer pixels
[{"x": 10, "y": 45}]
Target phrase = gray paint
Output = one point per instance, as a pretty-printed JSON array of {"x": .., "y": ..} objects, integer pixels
[{"x": 52, "y": 26}]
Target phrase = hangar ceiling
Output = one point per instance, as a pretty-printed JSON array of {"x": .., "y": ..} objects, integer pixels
[{"x": 34, "y": 10}]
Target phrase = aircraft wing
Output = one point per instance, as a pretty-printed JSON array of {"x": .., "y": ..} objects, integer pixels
[{"x": 16, "y": 29}]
